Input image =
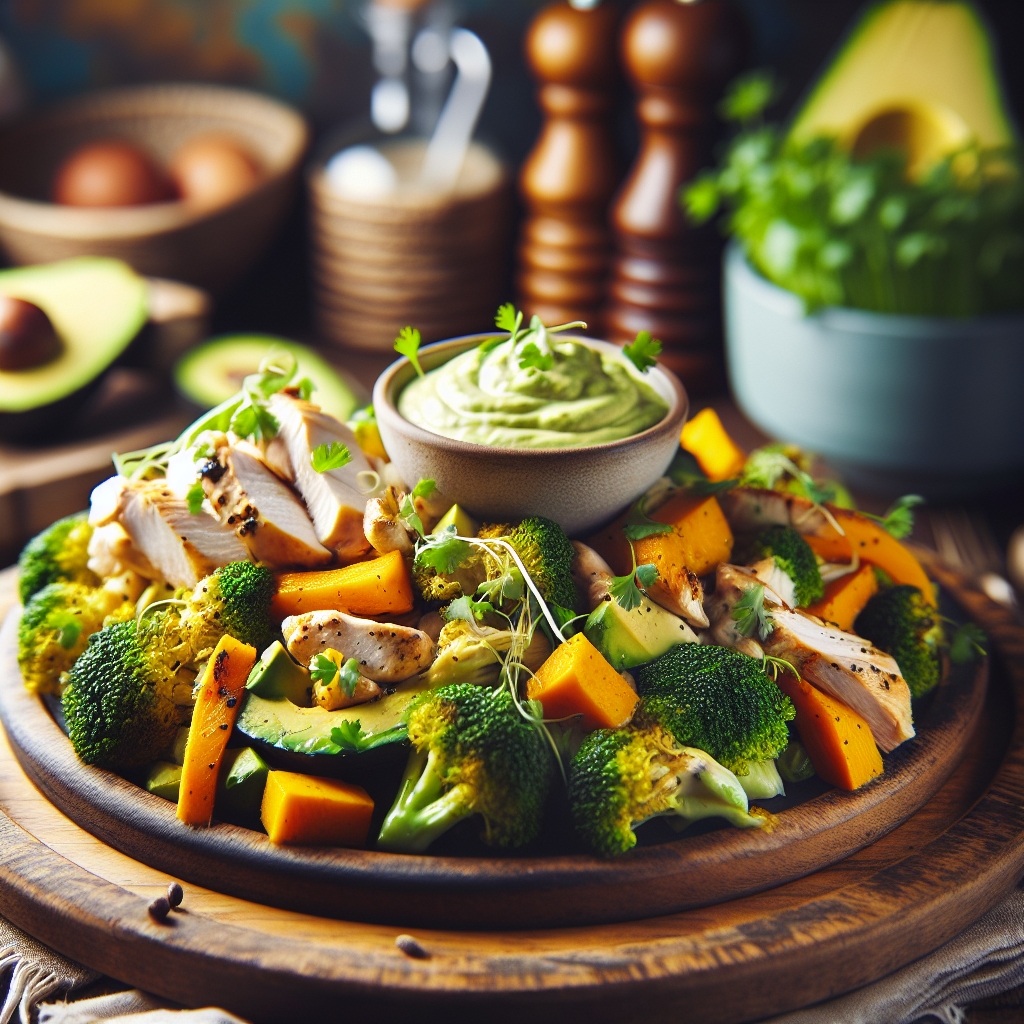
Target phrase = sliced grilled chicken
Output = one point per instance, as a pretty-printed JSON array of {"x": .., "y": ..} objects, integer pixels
[
  {"x": 331, "y": 697},
  {"x": 261, "y": 509},
  {"x": 382, "y": 527},
  {"x": 334, "y": 499},
  {"x": 386, "y": 652},
  {"x": 111, "y": 552},
  {"x": 749, "y": 509},
  {"x": 591, "y": 574},
  {"x": 181, "y": 547},
  {"x": 845, "y": 666},
  {"x": 848, "y": 668},
  {"x": 680, "y": 591}
]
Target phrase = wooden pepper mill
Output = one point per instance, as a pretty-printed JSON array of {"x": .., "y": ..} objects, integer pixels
[
  {"x": 665, "y": 274},
  {"x": 570, "y": 176}
]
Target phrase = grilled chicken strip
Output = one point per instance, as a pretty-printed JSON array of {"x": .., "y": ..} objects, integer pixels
[
  {"x": 844, "y": 666},
  {"x": 334, "y": 500},
  {"x": 261, "y": 509},
  {"x": 181, "y": 547},
  {"x": 749, "y": 509},
  {"x": 592, "y": 575},
  {"x": 681, "y": 592},
  {"x": 386, "y": 652}
]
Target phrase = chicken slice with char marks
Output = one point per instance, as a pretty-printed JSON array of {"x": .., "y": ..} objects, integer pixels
[
  {"x": 750, "y": 509},
  {"x": 261, "y": 509},
  {"x": 333, "y": 499},
  {"x": 387, "y": 653},
  {"x": 181, "y": 547}
]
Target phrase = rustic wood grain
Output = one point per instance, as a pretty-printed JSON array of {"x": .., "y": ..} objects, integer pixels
[{"x": 832, "y": 931}]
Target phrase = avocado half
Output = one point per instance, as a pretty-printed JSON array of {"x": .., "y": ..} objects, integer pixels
[
  {"x": 912, "y": 74},
  {"x": 212, "y": 372},
  {"x": 97, "y": 306}
]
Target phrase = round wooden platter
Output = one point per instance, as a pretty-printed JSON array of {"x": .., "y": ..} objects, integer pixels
[
  {"x": 535, "y": 889},
  {"x": 834, "y": 930}
]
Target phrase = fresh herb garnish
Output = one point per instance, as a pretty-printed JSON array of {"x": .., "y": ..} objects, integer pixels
[
  {"x": 507, "y": 586},
  {"x": 424, "y": 489},
  {"x": 444, "y": 552},
  {"x": 685, "y": 472},
  {"x": 324, "y": 670},
  {"x": 899, "y": 519},
  {"x": 531, "y": 357},
  {"x": 629, "y": 590},
  {"x": 468, "y": 609},
  {"x": 643, "y": 352},
  {"x": 195, "y": 498},
  {"x": 773, "y": 666},
  {"x": 507, "y": 319},
  {"x": 408, "y": 344},
  {"x": 349, "y": 736},
  {"x": 967, "y": 643},
  {"x": 305, "y": 387},
  {"x": 639, "y": 524},
  {"x": 751, "y": 615},
  {"x": 333, "y": 455}
]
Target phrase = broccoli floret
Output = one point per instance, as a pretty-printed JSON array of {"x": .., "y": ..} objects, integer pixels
[
  {"x": 122, "y": 700},
  {"x": 60, "y": 552},
  {"x": 547, "y": 554},
  {"x": 623, "y": 777},
  {"x": 718, "y": 700},
  {"x": 794, "y": 557},
  {"x": 900, "y": 622},
  {"x": 234, "y": 599},
  {"x": 473, "y": 753},
  {"x": 57, "y": 623}
]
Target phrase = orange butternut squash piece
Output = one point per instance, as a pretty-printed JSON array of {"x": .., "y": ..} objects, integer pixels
[
  {"x": 315, "y": 811},
  {"x": 838, "y": 741},
  {"x": 213, "y": 718},
  {"x": 845, "y": 598},
  {"x": 716, "y": 452},
  {"x": 576, "y": 679},
  {"x": 875, "y": 545},
  {"x": 699, "y": 540},
  {"x": 379, "y": 586}
]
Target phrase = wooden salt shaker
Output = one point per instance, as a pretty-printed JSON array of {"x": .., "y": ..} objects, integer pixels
[
  {"x": 665, "y": 274},
  {"x": 571, "y": 174}
]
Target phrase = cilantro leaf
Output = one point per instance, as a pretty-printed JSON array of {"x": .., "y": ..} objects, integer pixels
[
  {"x": 967, "y": 644},
  {"x": 629, "y": 590},
  {"x": 348, "y": 677},
  {"x": 685, "y": 472},
  {"x": 531, "y": 357},
  {"x": 643, "y": 352},
  {"x": 333, "y": 455},
  {"x": 322, "y": 670},
  {"x": 748, "y": 97},
  {"x": 750, "y": 614},
  {"x": 253, "y": 420},
  {"x": 444, "y": 552},
  {"x": 509, "y": 586},
  {"x": 425, "y": 488},
  {"x": 195, "y": 498},
  {"x": 349, "y": 736},
  {"x": 468, "y": 609},
  {"x": 408, "y": 344},
  {"x": 305, "y": 388},
  {"x": 507, "y": 319},
  {"x": 411, "y": 516},
  {"x": 640, "y": 525},
  {"x": 486, "y": 346},
  {"x": 898, "y": 520}
]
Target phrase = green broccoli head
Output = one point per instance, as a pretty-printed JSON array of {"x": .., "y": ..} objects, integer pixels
[
  {"x": 60, "y": 552},
  {"x": 119, "y": 704},
  {"x": 56, "y": 625},
  {"x": 718, "y": 700},
  {"x": 900, "y": 622},
  {"x": 473, "y": 753},
  {"x": 793, "y": 555},
  {"x": 546, "y": 552},
  {"x": 623, "y": 777},
  {"x": 234, "y": 599}
]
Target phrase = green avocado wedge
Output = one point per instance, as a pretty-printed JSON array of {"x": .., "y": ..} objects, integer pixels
[
  {"x": 213, "y": 371},
  {"x": 632, "y": 638},
  {"x": 96, "y": 305}
]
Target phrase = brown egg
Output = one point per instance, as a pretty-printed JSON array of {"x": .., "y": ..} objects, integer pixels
[
  {"x": 110, "y": 173},
  {"x": 213, "y": 170}
]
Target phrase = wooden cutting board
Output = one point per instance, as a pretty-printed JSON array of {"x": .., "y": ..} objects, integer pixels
[{"x": 801, "y": 942}]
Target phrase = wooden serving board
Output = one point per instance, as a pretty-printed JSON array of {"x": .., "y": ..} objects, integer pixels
[
  {"x": 829, "y": 932},
  {"x": 494, "y": 890}
]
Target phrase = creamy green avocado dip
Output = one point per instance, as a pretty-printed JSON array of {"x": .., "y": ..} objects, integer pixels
[{"x": 485, "y": 396}]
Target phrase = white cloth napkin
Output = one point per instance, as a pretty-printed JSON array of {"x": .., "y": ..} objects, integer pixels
[
  {"x": 982, "y": 962},
  {"x": 131, "y": 1007}
]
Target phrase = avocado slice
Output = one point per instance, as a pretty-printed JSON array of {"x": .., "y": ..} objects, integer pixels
[
  {"x": 164, "y": 779},
  {"x": 635, "y": 637},
  {"x": 277, "y": 676},
  {"x": 915, "y": 75},
  {"x": 465, "y": 525},
  {"x": 240, "y": 784},
  {"x": 97, "y": 306},
  {"x": 212, "y": 372}
]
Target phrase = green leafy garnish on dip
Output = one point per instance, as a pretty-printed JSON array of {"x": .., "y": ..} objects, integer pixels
[{"x": 534, "y": 389}]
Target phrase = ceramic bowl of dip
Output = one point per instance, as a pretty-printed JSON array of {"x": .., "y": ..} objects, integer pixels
[{"x": 581, "y": 488}]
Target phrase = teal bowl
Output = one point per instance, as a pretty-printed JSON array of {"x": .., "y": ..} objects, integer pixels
[{"x": 895, "y": 403}]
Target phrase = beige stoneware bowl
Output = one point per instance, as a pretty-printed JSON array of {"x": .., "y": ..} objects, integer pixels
[{"x": 580, "y": 488}]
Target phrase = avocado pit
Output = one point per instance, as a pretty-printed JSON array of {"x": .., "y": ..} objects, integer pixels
[{"x": 27, "y": 338}]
